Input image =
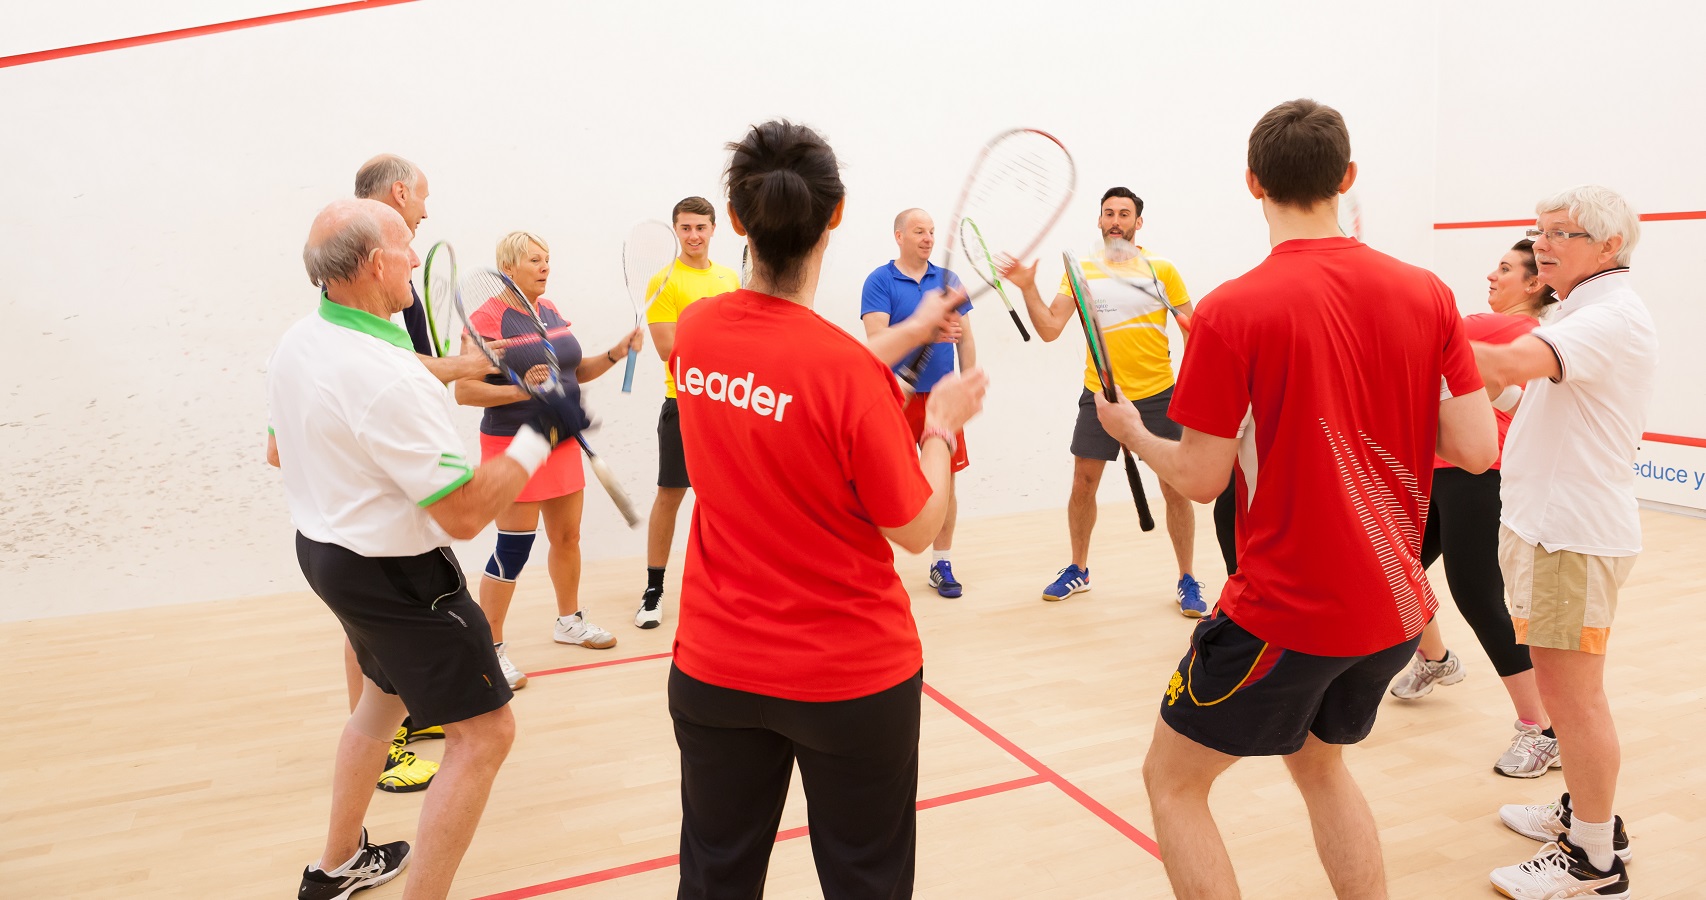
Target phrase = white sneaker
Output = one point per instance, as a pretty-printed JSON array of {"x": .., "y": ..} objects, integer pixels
[
  {"x": 1531, "y": 754},
  {"x": 1559, "y": 871},
  {"x": 650, "y": 613},
  {"x": 516, "y": 680},
  {"x": 1423, "y": 675},
  {"x": 576, "y": 629},
  {"x": 1551, "y": 821}
]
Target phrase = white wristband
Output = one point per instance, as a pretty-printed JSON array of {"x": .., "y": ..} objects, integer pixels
[
  {"x": 1508, "y": 400},
  {"x": 529, "y": 448}
]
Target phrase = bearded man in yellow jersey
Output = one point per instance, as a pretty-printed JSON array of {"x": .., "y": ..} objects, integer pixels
[
  {"x": 1136, "y": 327},
  {"x": 691, "y": 277}
]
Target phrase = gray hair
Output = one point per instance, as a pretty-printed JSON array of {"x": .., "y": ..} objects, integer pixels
[
  {"x": 900, "y": 220},
  {"x": 373, "y": 181},
  {"x": 1601, "y": 212},
  {"x": 344, "y": 237}
]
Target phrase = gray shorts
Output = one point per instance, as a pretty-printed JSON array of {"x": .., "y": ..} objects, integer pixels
[{"x": 1090, "y": 441}]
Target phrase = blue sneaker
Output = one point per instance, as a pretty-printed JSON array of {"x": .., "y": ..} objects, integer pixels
[
  {"x": 1191, "y": 603},
  {"x": 1071, "y": 580},
  {"x": 942, "y": 579}
]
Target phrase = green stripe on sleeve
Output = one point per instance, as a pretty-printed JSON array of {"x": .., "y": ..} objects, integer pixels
[{"x": 467, "y": 474}]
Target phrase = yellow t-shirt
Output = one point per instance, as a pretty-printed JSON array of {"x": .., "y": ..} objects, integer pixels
[
  {"x": 686, "y": 284},
  {"x": 1134, "y": 324}
]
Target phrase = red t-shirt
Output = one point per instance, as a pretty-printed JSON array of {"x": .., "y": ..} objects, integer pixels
[
  {"x": 798, "y": 453},
  {"x": 1341, "y": 355},
  {"x": 1494, "y": 328}
]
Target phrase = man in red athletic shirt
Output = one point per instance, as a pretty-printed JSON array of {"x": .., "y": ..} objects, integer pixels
[{"x": 1347, "y": 400}]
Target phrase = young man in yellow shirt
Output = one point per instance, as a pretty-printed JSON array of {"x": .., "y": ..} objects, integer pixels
[
  {"x": 691, "y": 277},
  {"x": 1136, "y": 328}
]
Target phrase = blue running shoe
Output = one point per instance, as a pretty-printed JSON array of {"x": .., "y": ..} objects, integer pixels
[
  {"x": 1191, "y": 603},
  {"x": 942, "y": 579},
  {"x": 1072, "y": 579}
]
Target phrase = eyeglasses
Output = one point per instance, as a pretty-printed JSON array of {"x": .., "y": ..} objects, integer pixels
[{"x": 1556, "y": 234}]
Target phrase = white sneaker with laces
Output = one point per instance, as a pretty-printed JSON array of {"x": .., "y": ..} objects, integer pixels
[
  {"x": 1540, "y": 821},
  {"x": 1561, "y": 871},
  {"x": 650, "y": 613},
  {"x": 577, "y": 630},
  {"x": 512, "y": 675},
  {"x": 1422, "y": 675},
  {"x": 1531, "y": 754}
]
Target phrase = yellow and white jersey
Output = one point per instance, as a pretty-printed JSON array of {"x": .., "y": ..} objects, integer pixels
[{"x": 1134, "y": 323}]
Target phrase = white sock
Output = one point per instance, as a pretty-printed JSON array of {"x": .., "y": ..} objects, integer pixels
[
  {"x": 339, "y": 870},
  {"x": 1595, "y": 839},
  {"x": 940, "y": 555}
]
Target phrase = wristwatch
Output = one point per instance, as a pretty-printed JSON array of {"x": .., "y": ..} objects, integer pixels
[{"x": 943, "y": 433}]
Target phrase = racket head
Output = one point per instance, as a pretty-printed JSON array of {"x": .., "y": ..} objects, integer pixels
[
  {"x": 977, "y": 253},
  {"x": 651, "y": 249},
  {"x": 745, "y": 265},
  {"x": 1119, "y": 258},
  {"x": 1350, "y": 214},
  {"x": 438, "y": 293},
  {"x": 1091, "y": 320},
  {"x": 1016, "y": 191},
  {"x": 516, "y": 356}
]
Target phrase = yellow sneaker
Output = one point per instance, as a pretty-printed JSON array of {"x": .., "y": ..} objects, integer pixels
[
  {"x": 434, "y": 733},
  {"x": 407, "y": 772}
]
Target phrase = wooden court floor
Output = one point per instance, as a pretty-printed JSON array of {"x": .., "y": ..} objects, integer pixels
[{"x": 186, "y": 751}]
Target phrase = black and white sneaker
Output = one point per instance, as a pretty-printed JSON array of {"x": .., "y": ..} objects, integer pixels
[
  {"x": 650, "y": 614},
  {"x": 1559, "y": 871},
  {"x": 372, "y": 866}
]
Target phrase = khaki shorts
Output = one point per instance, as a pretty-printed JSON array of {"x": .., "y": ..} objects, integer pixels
[{"x": 1563, "y": 600}]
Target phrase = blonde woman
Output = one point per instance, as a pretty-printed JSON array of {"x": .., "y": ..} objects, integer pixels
[{"x": 555, "y": 492}]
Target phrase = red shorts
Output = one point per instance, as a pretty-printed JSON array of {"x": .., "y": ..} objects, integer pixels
[
  {"x": 915, "y": 417},
  {"x": 560, "y": 476}
]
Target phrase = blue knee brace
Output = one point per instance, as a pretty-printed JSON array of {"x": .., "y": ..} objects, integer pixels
[{"x": 510, "y": 556}]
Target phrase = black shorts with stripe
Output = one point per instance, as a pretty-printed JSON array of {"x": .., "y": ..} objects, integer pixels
[
  {"x": 416, "y": 631},
  {"x": 1238, "y": 694}
]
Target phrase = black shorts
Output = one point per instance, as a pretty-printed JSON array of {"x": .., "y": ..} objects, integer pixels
[
  {"x": 672, "y": 462},
  {"x": 1238, "y": 694},
  {"x": 416, "y": 631},
  {"x": 1090, "y": 441}
]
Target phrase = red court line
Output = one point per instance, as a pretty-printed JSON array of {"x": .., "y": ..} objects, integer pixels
[
  {"x": 1674, "y": 439},
  {"x": 23, "y": 59},
  {"x": 1512, "y": 223},
  {"x": 1071, "y": 790},
  {"x": 598, "y": 665},
  {"x": 664, "y": 862}
]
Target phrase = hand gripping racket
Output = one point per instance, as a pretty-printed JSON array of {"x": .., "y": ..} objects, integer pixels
[
  {"x": 1092, "y": 323},
  {"x": 1016, "y": 191},
  {"x": 649, "y": 252}
]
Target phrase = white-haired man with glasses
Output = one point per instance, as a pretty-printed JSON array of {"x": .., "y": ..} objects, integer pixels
[{"x": 1570, "y": 530}]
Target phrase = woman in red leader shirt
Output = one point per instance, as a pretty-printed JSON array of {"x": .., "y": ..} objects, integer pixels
[
  {"x": 1463, "y": 526},
  {"x": 796, "y": 642}
]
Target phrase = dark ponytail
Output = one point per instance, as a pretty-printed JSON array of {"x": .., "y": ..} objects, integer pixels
[
  {"x": 1547, "y": 295},
  {"x": 784, "y": 183}
]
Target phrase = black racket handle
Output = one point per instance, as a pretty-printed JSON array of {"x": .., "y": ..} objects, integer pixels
[
  {"x": 1145, "y": 520},
  {"x": 914, "y": 366},
  {"x": 1018, "y": 324}
]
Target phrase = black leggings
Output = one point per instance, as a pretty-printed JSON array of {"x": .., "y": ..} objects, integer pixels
[
  {"x": 1463, "y": 526},
  {"x": 858, "y": 762}
]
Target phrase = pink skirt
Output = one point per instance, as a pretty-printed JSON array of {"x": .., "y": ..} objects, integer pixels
[{"x": 560, "y": 476}]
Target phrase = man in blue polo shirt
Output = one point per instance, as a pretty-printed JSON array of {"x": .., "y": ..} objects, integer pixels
[{"x": 894, "y": 293}]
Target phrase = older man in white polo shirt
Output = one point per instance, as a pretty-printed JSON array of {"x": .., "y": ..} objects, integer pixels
[
  {"x": 1570, "y": 529},
  {"x": 377, "y": 485}
]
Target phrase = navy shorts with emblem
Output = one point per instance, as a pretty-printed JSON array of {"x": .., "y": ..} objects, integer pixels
[{"x": 1238, "y": 694}]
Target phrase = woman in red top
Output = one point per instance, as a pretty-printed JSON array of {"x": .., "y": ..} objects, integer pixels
[
  {"x": 796, "y": 642},
  {"x": 1463, "y": 526},
  {"x": 556, "y": 490}
]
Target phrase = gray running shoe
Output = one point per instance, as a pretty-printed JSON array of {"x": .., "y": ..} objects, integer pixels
[
  {"x": 1422, "y": 675},
  {"x": 1531, "y": 754}
]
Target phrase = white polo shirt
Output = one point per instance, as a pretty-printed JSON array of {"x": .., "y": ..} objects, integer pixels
[
  {"x": 364, "y": 433},
  {"x": 1568, "y": 476}
]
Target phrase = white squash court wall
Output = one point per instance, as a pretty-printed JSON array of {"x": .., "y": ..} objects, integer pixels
[{"x": 156, "y": 200}]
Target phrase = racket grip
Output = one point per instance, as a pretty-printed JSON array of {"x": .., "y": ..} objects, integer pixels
[
  {"x": 1145, "y": 520},
  {"x": 1020, "y": 325},
  {"x": 628, "y": 376}
]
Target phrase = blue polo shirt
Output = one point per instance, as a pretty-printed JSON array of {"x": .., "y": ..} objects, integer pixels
[{"x": 889, "y": 290}]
